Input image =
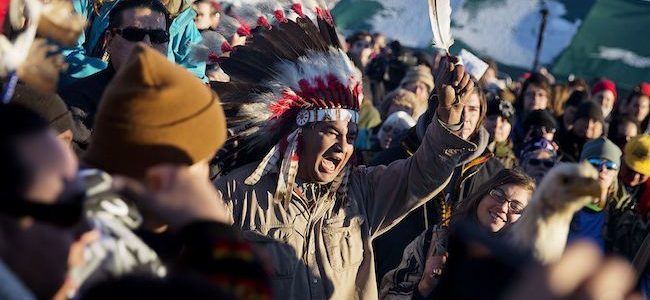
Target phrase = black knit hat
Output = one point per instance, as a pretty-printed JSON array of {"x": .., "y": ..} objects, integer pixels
[
  {"x": 538, "y": 119},
  {"x": 591, "y": 110},
  {"x": 49, "y": 106},
  {"x": 576, "y": 98},
  {"x": 498, "y": 107}
]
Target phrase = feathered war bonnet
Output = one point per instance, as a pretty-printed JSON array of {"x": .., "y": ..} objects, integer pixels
[{"x": 291, "y": 72}]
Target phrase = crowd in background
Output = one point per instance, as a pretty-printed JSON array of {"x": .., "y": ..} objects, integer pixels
[
  {"x": 534, "y": 123},
  {"x": 60, "y": 146}
]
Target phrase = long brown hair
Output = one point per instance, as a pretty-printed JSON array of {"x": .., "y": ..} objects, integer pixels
[
  {"x": 466, "y": 210},
  {"x": 482, "y": 97}
]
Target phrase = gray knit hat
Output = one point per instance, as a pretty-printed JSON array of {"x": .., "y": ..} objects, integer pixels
[{"x": 601, "y": 148}]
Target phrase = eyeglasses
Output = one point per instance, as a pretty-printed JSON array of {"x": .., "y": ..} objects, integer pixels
[
  {"x": 599, "y": 163},
  {"x": 514, "y": 206},
  {"x": 549, "y": 163},
  {"x": 133, "y": 34}
]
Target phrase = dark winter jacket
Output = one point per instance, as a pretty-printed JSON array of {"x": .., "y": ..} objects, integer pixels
[
  {"x": 505, "y": 153},
  {"x": 467, "y": 177},
  {"x": 570, "y": 147},
  {"x": 216, "y": 263},
  {"x": 83, "y": 96},
  {"x": 214, "y": 254}
]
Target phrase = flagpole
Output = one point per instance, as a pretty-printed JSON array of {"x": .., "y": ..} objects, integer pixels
[{"x": 540, "y": 36}]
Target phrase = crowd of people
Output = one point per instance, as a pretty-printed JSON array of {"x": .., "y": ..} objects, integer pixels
[{"x": 180, "y": 149}]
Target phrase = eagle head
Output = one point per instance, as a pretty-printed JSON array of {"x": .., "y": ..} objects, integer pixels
[{"x": 568, "y": 187}]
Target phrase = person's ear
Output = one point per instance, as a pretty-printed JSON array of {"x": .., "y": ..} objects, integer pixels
[
  {"x": 159, "y": 177},
  {"x": 66, "y": 137},
  {"x": 107, "y": 39}
]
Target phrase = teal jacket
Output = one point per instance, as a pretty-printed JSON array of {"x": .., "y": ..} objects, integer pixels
[{"x": 81, "y": 62}]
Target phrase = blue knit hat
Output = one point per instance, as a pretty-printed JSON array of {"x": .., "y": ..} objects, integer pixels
[{"x": 537, "y": 144}]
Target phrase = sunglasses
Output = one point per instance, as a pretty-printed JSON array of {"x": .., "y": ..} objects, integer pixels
[
  {"x": 549, "y": 163},
  {"x": 133, "y": 34},
  {"x": 514, "y": 206},
  {"x": 599, "y": 163}
]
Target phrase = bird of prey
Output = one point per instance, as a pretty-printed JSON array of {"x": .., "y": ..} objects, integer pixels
[{"x": 544, "y": 225}]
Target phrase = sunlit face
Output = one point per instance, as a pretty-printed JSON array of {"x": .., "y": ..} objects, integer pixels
[
  {"x": 420, "y": 89},
  {"x": 51, "y": 162},
  {"x": 626, "y": 131},
  {"x": 326, "y": 148},
  {"x": 606, "y": 100},
  {"x": 472, "y": 112},
  {"x": 630, "y": 177},
  {"x": 362, "y": 49},
  {"x": 386, "y": 134},
  {"x": 535, "y": 98},
  {"x": 494, "y": 215},
  {"x": 640, "y": 107},
  {"x": 120, "y": 48},
  {"x": 498, "y": 127},
  {"x": 379, "y": 42},
  {"x": 361, "y": 45},
  {"x": 605, "y": 176},
  {"x": 205, "y": 17},
  {"x": 588, "y": 128},
  {"x": 537, "y": 164}
]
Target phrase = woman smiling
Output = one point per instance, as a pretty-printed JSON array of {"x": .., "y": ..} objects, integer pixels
[{"x": 496, "y": 205}]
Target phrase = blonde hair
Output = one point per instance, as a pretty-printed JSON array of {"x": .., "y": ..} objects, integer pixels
[{"x": 559, "y": 95}]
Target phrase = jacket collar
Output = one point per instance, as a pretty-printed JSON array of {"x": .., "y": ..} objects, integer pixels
[{"x": 480, "y": 139}]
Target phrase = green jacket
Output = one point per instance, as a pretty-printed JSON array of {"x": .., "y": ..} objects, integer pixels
[
  {"x": 83, "y": 60},
  {"x": 624, "y": 229}
]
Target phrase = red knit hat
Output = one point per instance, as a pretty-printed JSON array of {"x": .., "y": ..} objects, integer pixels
[
  {"x": 603, "y": 85},
  {"x": 4, "y": 7},
  {"x": 645, "y": 88}
]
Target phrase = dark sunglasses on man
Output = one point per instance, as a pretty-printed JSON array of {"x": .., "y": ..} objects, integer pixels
[
  {"x": 133, "y": 34},
  {"x": 599, "y": 163}
]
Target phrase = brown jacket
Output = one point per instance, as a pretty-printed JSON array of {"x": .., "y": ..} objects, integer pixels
[{"x": 322, "y": 249}]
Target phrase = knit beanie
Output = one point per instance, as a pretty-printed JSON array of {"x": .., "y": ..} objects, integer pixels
[
  {"x": 601, "y": 148},
  {"x": 498, "y": 107},
  {"x": 645, "y": 88},
  {"x": 154, "y": 112},
  {"x": 49, "y": 106},
  {"x": 399, "y": 120},
  {"x": 4, "y": 8},
  {"x": 418, "y": 73},
  {"x": 539, "y": 144},
  {"x": 576, "y": 98},
  {"x": 590, "y": 109},
  {"x": 637, "y": 154},
  {"x": 604, "y": 85}
]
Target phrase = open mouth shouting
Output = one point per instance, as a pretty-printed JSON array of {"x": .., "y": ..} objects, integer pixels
[{"x": 330, "y": 163}]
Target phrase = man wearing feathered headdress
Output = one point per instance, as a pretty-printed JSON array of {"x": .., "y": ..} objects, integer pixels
[{"x": 287, "y": 172}]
